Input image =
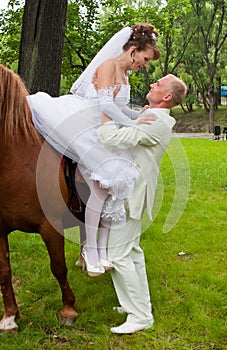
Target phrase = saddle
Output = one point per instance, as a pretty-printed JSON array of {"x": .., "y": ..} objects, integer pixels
[{"x": 74, "y": 203}]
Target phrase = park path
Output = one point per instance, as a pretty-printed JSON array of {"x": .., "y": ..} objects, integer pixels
[{"x": 197, "y": 135}]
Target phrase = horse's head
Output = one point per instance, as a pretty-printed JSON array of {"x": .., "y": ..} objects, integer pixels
[{"x": 15, "y": 115}]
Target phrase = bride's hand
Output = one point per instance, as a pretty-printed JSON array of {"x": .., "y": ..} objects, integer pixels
[
  {"x": 146, "y": 119},
  {"x": 144, "y": 108}
]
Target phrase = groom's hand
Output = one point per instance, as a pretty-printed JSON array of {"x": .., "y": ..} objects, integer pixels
[{"x": 146, "y": 119}]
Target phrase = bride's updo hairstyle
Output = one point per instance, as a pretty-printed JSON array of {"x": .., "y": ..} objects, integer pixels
[{"x": 143, "y": 36}]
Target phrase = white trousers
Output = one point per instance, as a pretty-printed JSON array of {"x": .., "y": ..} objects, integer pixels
[{"x": 129, "y": 273}]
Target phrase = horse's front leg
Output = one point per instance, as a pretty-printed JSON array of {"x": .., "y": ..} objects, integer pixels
[
  {"x": 55, "y": 245},
  {"x": 7, "y": 324}
]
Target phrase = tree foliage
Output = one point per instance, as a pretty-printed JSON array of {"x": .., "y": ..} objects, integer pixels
[
  {"x": 10, "y": 33},
  {"x": 206, "y": 49},
  {"x": 192, "y": 38}
]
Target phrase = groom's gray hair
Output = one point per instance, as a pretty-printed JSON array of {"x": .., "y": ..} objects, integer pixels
[{"x": 177, "y": 88}]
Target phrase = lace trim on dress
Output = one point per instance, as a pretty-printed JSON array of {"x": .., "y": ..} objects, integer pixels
[
  {"x": 114, "y": 209},
  {"x": 114, "y": 206},
  {"x": 106, "y": 91}
]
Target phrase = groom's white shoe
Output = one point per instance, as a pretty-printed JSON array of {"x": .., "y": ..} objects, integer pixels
[{"x": 129, "y": 327}]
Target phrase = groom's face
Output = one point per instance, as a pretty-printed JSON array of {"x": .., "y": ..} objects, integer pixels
[{"x": 158, "y": 90}]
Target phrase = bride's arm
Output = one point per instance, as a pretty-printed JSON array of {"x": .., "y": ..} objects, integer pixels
[
  {"x": 104, "y": 84},
  {"x": 131, "y": 113}
]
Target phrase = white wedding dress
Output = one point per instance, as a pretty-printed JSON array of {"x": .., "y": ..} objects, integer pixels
[{"x": 69, "y": 124}]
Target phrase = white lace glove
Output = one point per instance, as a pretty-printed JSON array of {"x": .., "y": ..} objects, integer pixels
[
  {"x": 108, "y": 107},
  {"x": 131, "y": 113}
]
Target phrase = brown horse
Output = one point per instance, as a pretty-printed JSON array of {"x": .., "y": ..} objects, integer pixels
[{"x": 33, "y": 193}]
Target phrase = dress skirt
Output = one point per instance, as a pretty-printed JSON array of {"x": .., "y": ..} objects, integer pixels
[{"x": 69, "y": 124}]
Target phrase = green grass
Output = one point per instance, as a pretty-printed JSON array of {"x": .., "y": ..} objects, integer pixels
[{"x": 188, "y": 291}]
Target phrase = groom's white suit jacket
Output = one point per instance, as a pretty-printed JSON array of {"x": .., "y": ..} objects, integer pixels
[{"x": 147, "y": 144}]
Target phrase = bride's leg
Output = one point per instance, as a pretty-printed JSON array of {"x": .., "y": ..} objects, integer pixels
[
  {"x": 92, "y": 217},
  {"x": 103, "y": 235}
]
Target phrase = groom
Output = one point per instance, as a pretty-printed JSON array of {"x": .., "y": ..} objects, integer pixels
[{"x": 147, "y": 144}]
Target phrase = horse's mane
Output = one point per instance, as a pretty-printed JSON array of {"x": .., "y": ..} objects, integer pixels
[{"x": 15, "y": 114}]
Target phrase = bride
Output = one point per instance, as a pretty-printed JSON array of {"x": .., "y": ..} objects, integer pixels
[{"x": 69, "y": 124}]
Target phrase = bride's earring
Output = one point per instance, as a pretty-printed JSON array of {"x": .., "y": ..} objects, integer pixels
[{"x": 132, "y": 59}]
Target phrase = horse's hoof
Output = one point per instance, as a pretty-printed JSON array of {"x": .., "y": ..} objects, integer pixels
[
  {"x": 8, "y": 325},
  {"x": 67, "y": 321},
  {"x": 68, "y": 315},
  {"x": 9, "y": 331}
]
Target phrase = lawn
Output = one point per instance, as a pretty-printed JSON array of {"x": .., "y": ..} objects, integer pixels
[{"x": 185, "y": 249}]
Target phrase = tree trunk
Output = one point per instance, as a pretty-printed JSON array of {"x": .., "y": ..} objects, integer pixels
[
  {"x": 218, "y": 99},
  {"x": 41, "y": 47},
  {"x": 211, "y": 96}
]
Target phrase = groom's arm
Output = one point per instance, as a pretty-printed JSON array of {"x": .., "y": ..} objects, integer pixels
[{"x": 143, "y": 134}]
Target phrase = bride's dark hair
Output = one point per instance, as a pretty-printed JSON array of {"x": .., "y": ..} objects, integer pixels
[{"x": 143, "y": 36}]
